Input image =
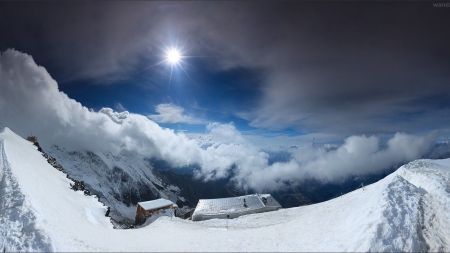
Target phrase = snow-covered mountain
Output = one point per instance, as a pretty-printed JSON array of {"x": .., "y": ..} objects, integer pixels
[
  {"x": 119, "y": 180},
  {"x": 409, "y": 210}
]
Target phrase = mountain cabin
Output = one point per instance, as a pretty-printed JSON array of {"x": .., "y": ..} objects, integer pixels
[
  {"x": 229, "y": 208},
  {"x": 146, "y": 209}
]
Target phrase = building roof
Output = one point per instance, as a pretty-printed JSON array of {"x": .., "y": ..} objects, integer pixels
[
  {"x": 155, "y": 204},
  {"x": 230, "y": 205}
]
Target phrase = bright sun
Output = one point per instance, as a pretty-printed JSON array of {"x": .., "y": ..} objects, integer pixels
[{"x": 173, "y": 56}]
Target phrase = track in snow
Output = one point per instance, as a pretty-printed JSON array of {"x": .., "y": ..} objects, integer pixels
[
  {"x": 18, "y": 230},
  {"x": 434, "y": 181}
]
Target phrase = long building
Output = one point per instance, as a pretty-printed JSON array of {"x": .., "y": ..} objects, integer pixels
[{"x": 229, "y": 208}]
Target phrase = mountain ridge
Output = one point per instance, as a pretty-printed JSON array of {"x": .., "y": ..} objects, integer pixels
[{"x": 408, "y": 210}]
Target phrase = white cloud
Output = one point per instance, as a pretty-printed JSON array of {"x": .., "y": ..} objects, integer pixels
[
  {"x": 120, "y": 107},
  {"x": 30, "y": 101},
  {"x": 170, "y": 113},
  {"x": 224, "y": 133},
  {"x": 358, "y": 155},
  {"x": 117, "y": 117}
]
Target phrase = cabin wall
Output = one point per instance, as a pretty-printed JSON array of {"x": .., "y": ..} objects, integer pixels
[{"x": 142, "y": 214}]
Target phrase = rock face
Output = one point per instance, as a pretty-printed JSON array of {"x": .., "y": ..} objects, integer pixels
[{"x": 120, "y": 181}]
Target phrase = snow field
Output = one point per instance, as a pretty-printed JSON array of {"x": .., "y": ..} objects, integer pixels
[
  {"x": 18, "y": 230},
  {"x": 433, "y": 178},
  {"x": 406, "y": 211}
]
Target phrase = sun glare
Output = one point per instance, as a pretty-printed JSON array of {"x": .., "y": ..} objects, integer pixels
[{"x": 173, "y": 56}]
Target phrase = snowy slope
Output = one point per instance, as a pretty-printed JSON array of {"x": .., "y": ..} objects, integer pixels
[
  {"x": 43, "y": 205},
  {"x": 406, "y": 211},
  {"x": 433, "y": 179},
  {"x": 120, "y": 180}
]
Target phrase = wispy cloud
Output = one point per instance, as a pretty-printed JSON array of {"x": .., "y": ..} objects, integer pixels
[
  {"x": 119, "y": 107},
  {"x": 170, "y": 113}
]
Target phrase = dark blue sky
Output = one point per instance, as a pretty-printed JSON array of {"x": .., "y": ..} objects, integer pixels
[{"x": 282, "y": 72}]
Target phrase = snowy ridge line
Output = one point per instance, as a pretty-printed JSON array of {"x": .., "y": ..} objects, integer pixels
[
  {"x": 18, "y": 230},
  {"x": 408, "y": 210},
  {"x": 52, "y": 161},
  {"x": 432, "y": 177},
  {"x": 122, "y": 180},
  {"x": 77, "y": 186},
  {"x": 401, "y": 219}
]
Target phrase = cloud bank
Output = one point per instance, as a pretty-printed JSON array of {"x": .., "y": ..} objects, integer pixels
[
  {"x": 359, "y": 155},
  {"x": 30, "y": 101}
]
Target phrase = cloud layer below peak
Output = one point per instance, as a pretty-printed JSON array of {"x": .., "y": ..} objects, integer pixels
[{"x": 30, "y": 101}]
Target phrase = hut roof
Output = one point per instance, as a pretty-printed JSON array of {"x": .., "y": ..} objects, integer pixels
[
  {"x": 155, "y": 204},
  {"x": 234, "y": 204}
]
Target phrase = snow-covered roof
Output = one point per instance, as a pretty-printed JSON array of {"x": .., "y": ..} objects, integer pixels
[
  {"x": 229, "y": 205},
  {"x": 155, "y": 204}
]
